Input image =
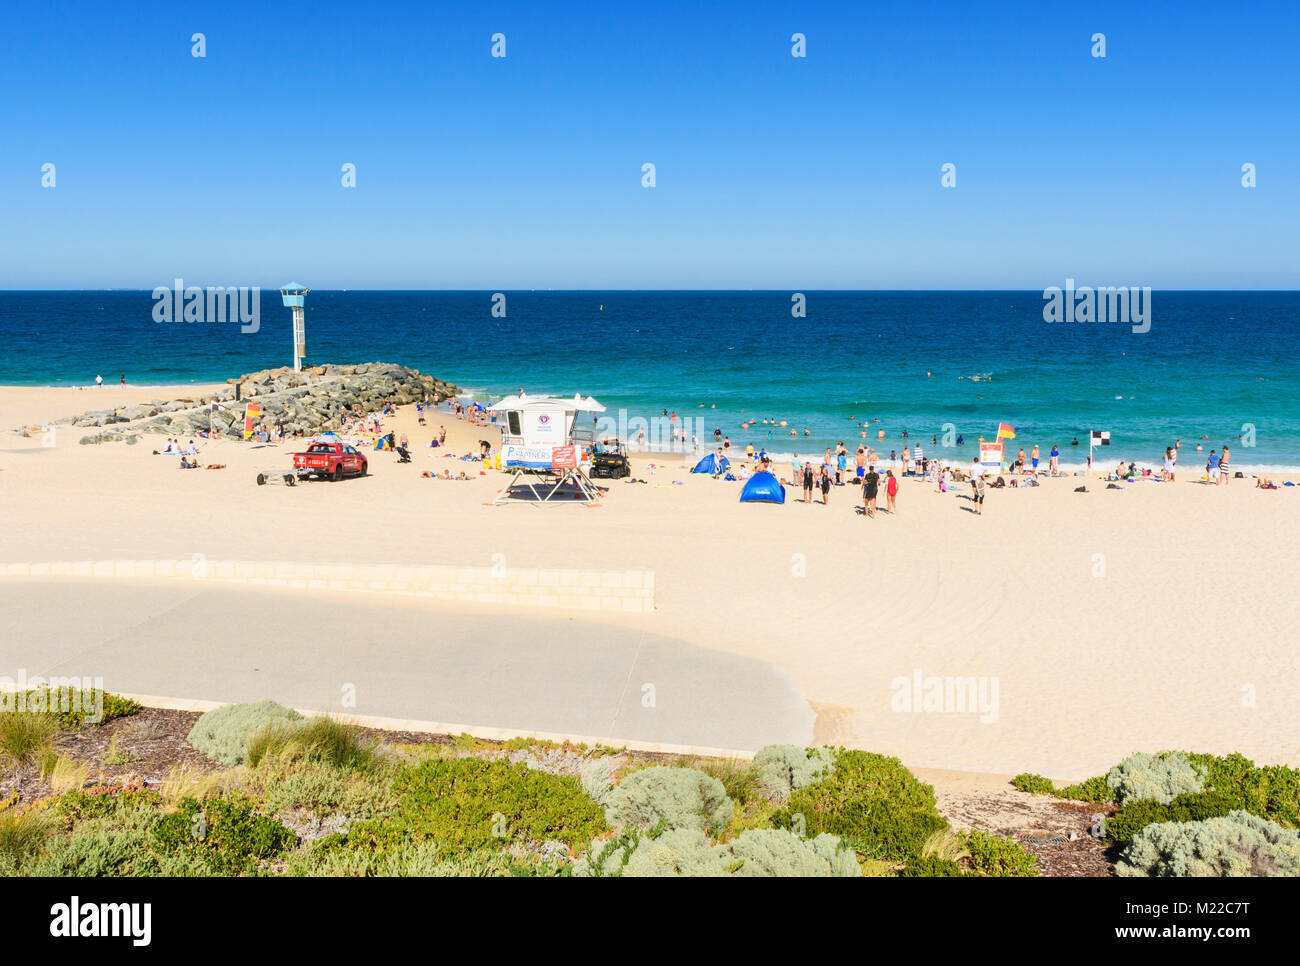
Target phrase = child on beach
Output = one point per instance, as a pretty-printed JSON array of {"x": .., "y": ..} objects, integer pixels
[{"x": 891, "y": 492}]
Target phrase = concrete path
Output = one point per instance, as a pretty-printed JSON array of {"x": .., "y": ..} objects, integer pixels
[{"x": 471, "y": 668}]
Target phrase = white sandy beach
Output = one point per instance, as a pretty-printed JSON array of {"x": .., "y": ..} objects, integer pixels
[{"x": 1158, "y": 616}]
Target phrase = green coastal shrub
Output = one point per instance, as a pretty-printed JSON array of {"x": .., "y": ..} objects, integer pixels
[
  {"x": 776, "y": 852},
  {"x": 226, "y": 834},
  {"x": 1034, "y": 784},
  {"x": 675, "y": 798},
  {"x": 597, "y": 780},
  {"x": 1125, "y": 824},
  {"x": 872, "y": 802},
  {"x": 321, "y": 789},
  {"x": 223, "y": 733},
  {"x": 689, "y": 852},
  {"x": 783, "y": 769},
  {"x": 320, "y": 739},
  {"x": 1237, "y": 844},
  {"x": 1092, "y": 790},
  {"x": 1161, "y": 777},
  {"x": 125, "y": 809},
  {"x": 71, "y": 707},
  {"x": 931, "y": 866},
  {"x": 96, "y": 851},
  {"x": 1232, "y": 783},
  {"x": 425, "y": 859},
  {"x": 468, "y": 805},
  {"x": 677, "y": 851},
  {"x": 606, "y": 858},
  {"x": 998, "y": 857},
  {"x": 1271, "y": 791}
]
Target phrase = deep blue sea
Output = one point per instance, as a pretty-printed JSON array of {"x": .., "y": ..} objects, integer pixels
[{"x": 1217, "y": 365}]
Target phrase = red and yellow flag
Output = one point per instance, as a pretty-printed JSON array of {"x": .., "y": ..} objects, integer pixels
[
  {"x": 1006, "y": 432},
  {"x": 251, "y": 414}
]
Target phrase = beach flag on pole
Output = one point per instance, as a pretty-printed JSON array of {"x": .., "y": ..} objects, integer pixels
[
  {"x": 251, "y": 413},
  {"x": 1100, "y": 437},
  {"x": 1006, "y": 432}
]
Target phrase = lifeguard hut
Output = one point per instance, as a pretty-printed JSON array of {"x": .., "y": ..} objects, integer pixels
[
  {"x": 294, "y": 296},
  {"x": 539, "y": 439}
]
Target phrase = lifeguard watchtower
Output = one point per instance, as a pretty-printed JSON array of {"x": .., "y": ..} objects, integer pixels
[{"x": 293, "y": 295}]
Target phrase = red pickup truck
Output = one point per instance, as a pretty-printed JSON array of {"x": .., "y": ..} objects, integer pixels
[{"x": 331, "y": 461}]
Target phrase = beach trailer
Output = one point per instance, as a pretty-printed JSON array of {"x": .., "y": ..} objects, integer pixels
[{"x": 544, "y": 449}]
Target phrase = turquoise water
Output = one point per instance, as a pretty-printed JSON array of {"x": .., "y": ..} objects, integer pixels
[{"x": 1214, "y": 364}]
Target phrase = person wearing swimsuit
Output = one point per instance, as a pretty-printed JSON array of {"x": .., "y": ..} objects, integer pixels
[
  {"x": 1223, "y": 468},
  {"x": 807, "y": 482}
]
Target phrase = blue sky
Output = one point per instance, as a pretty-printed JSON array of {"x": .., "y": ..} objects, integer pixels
[{"x": 772, "y": 172}]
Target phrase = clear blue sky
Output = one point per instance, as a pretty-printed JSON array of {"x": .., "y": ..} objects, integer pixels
[{"x": 773, "y": 172}]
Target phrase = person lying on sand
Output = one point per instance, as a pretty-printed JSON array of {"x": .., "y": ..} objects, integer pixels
[
  {"x": 215, "y": 466},
  {"x": 189, "y": 464},
  {"x": 1264, "y": 483}
]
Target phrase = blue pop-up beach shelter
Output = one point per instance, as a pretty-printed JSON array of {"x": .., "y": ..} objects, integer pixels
[
  {"x": 762, "y": 488},
  {"x": 712, "y": 464}
]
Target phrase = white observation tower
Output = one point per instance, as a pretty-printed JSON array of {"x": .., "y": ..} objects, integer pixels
[{"x": 293, "y": 295}]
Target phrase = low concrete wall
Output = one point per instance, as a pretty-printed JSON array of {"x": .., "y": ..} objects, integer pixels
[{"x": 623, "y": 591}]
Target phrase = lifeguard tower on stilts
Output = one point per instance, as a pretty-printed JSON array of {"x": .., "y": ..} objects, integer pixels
[{"x": 545, "y": 453}]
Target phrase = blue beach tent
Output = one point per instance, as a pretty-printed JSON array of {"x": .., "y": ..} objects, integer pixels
[
  {"x": 712, "y": 464},
  {"x": 763, "y": 488}
]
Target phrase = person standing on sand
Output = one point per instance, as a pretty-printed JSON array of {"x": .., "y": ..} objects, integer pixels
[
  {"x": 841, "y": 463},
  {"x": 891, "y": 492},
  {"x": 1212, "y": 467},
  {"x": 807, "y": 482},
  {"x": 870, "y": 490},
  {"x": 124, "y": 378},
  {"x": 860, "y": 464},
  {"x": 1224, "y": 472},
  {"x": 1054, "y": 462},
  {"x": 99, "y": 381},
  {"x": 826, "y": 486},
  {"x": 979, "y": 495},
  {"x": 907, "y": 455},
  {"x": 1033, "y": 458}
]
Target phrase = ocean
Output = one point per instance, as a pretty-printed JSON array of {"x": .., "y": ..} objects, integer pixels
[{"x": 1214, "y": 367}]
